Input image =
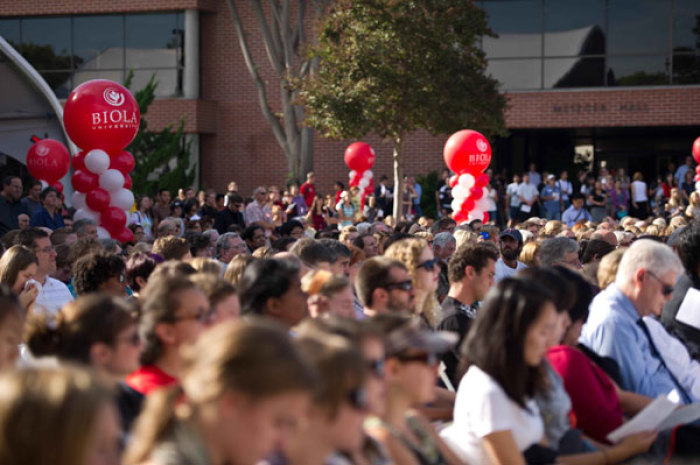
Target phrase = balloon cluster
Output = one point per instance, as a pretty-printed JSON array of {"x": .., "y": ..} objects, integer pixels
[
  {"x": 48, "y": 160},
  {"x": 696, "y": 156},
  {"x": 102, "y": 117},
  {"x": 359, "y": 157},
  {"x": 468, "y": 154}
]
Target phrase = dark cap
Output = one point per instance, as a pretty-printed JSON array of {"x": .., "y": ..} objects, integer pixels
[
  {"x": 511, "y": 232},
  {"x": 412, "y": 336}
]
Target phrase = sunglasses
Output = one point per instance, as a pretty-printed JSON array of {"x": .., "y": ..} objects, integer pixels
[
  {"x": 357, "y": 398},
  {"x": 403, "y": 285},
  {"x": 429, "y": 265},
  {"x": 376, "y": 368},
  {"x": 666, "y": 290},
  {"x": 427, "y": 358}
]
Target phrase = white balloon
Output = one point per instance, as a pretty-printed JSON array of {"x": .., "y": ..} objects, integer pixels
[
  {"x": 364, "y": 182},
  {"x": 459, "y": 192},
  {"x": 369, "y": 174},
  {"x": 697, "y": 186},
  {"x": 102, "y": 233},
  {"x": 122, "y": 198},
  {"x": 111, "y": 180},
  {"x": 466, "y": 181},
  {"x": 482, "y": 204},
  {"x": 476, "y": 214},
  {"x": 457, "y": 204},
  {"x": 44, "y": 184},
  {"x": 86, "y": 213},
  {"x": 352, "y": 174},
  {"x": 97, "y": 161},
  {"x": 77, "y": 200}
]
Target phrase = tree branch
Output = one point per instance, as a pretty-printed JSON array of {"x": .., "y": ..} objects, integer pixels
[{"x": 274, "y": 54}]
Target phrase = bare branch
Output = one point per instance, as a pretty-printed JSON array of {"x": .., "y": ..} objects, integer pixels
[
  {"x": 274, "y": 54},
  {"x": 299, "y": 37}
]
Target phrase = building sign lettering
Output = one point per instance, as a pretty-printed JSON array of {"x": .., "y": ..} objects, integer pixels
[{"x": 584, "y": 108}]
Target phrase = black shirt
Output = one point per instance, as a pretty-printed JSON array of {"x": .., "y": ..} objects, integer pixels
[
  {"x": 688, "y": 335},
  {"x": 226, "y": 218},
  {"x": 457, "y": 318}
]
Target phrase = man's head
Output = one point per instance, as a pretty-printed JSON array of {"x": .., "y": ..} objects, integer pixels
[
  {"x": 167, "y": 227},
  {"x": 688, "y": 246},
  {"x": 560, "y": 251},
  {"x": 551, "y": 179},
  {"x": 310, "y": 177},
  {"x": 235, "y": 202},
  {"x": 100, "y": 272},
  {"x": 260, "y": 195},
  {"x": 34, "y": 190},
  {"x": 172, "y": 248},
  {"x": 23, "y": 221},
  {"x": 49, "y": 197},
  {"x": 516, "y": 178},
  {"x": 384, "y": 285},
  {"x": 511, "y": 244},
  {"x": 64, "y": 236},
  {"x": 577, "y": 200},
  {"x": 164, "y": 196},
  {"x": 526, "y": 178},
  {"x": 228, "y": 245},
  {"x": 368, "y": 244},
  {"x": 647, "y": 274},
  {"x": 340, "y": 256},
  {"x": 12, "y": 188},
  {"x": 474, "y": 266},
  {"x": 85, "y": 228},
  {"x": 254, "y": 237},
  {"x": 312, "y": 253},
  {"x": 37, "y": 240},
  {"x": 444, "y": 224},
  {"x": 444, "y": 245}
]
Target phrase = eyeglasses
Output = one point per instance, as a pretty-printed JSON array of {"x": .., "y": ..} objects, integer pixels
[
  {"x": 429, "y": 265},
  {"x": 403, "y": 285},
  {"x": 357, "y": 398},
  {"x": 376, "y": 367},
  {"x": 427, "y": 358},
  {"x": 666, "y": 290},
  {"x": 133, "y": 340},
  {"x": 202, "y": 316}
]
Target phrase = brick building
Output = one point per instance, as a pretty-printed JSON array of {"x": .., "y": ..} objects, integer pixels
[{"x": 614, "y": 80}]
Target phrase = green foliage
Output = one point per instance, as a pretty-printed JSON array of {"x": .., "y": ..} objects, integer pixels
[
  {"x": 390, "y": 67},
  {"x": 162, "y": 158},
  {"x": 428, "y": 184},
  {"x": 44, "y": 58}
]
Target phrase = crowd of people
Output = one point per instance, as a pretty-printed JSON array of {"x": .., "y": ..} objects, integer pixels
[{"x": 293, "y": 327}]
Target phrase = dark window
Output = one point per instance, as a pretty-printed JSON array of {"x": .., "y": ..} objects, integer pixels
[
  {"x": 574, "y": 27},
  {"x": 99, "y": 42},
  {"x": 638, "y": 70},
  {"x": 46, "y": 43},
  {"x": 152, "y": 40},
  {"x": 574, "y": 72},
  {"x": 686, "y": 25},
  {"x": 686, "y": 69},
  {"x": 517, "y": 74},
  {"x": 9, "y": 30},
  {"x": 638, "y": 26},
  {"x": 519, "y": 26}
]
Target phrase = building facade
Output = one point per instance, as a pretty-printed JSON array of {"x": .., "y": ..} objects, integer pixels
[{"x": 600, "y": 81}]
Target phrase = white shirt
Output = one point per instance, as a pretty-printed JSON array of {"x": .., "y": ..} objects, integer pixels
[
  {"x": 527, "y": 191},
  {"x": 512, "y": 192},
  {"x": 566, "y": 188},
  {"x": 535, "y": 178},
  {"x": 504, "y": 271},
  {"x": 482, "y": 407},
  {"x": 53, "y": 295},
  {"x": 639, "y": 191}
]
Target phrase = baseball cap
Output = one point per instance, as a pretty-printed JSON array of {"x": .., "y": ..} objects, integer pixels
[
  {"x": 551, "y": 176},
  {"x": 412, "y": 336},
  {"x": 513, "y": 233}
]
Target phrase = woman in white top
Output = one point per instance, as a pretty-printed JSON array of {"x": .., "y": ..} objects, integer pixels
[
  {"x": 495, "y": 418},
  {"x": 638, "y": 197},
  {"x": 143, "y": 216}
]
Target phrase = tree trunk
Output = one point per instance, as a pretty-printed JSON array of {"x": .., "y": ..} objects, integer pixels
[{"x": 398, "y": 177}]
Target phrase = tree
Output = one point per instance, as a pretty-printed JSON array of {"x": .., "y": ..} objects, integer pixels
[
  {"x": 162, "y": 158},
  {"x": 390, "y": 67},
  {"x": 284, "y": 36}
]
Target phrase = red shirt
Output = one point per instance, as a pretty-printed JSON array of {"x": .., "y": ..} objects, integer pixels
[
  {"x": 148, "y": 378},
  {"x": 593, "y": 396},
  {"x": 309, "y": 192}
]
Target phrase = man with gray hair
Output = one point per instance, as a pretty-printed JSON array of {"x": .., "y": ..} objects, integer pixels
[
  {"x": 615, "y": 328},
  {"x": 444, "y": 245},
  {"x": 228, "y": 245},
  {"x": 85, "y": 228},
  {"x": 560, "y": 251}
]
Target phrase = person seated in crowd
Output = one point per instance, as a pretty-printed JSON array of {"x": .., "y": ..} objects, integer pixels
[
  {"x": 560, "y": 251},
  {"x": 221, "y": 294},
  {"x": 238, "y": 400},
  {"x": 174, "y": 312},
  {"x": 199, "y": 245},
  {"x": 62, "y": 236},
  {"x": 510, "y": 246},
  {"x": 231, "y": 215},
  {"x": 85, "y": 228},
  {"x": 367, "y": 243},
  {"x": 12, "y": 317},
  {"x": 18, "y": 266},
  {"x": 254, "y": 237},
  {"x": 472, "y": 270},
  {"x": 228, "y": 246},
  {"x": 328, "y": 293},
  {"x": 496, "y": 419},
  {"x": 383, "y": 285},
  {"x": 172, "y": 248},
  {"x": 312, "y": 254},
  {"x": 271, "y": 287},
  {"x": 339, "y": 258},
  {"x": 100, "y": 272},
  {"x": 444, "y": 246},
  {"x": 139, "y": 267}
]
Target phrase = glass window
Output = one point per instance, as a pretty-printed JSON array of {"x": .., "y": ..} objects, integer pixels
[
  {"x": 60, "y": 82},
  {"x": 9, "y": 30},
  {"x": 517, "y": 74},
  {"x": 638, "y": 26},
  {"x": 46, "y": 43},
  {"x": 152, "y": 40},
  {"x": 638, "y": 71},
  {"x": 99, "y": 41},
  {"x": 573, "y": 27},
  {"x": 169, "y": 81},
  {"x": 574, "y": 72},
  {"x": 518, "y": 24},
  {"x": 686, "y": 25},
  {"x": 686, "y": 69}
]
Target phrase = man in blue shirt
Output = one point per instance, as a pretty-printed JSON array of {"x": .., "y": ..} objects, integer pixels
[
  {"x": 576, "y": 212},
  {"x": 615, "y": 329},
  {"x": 551, "y": 199},
  {"x": 48, "y": 216}
]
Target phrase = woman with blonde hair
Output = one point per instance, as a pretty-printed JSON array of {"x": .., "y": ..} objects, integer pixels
[
  {"x": 530, "y": 255},
  {"x": 675, "y": 205},
  {"x": 206, "y": 265},
  {"x": 607, "y": 269},
  {"x": 236, "y": 267},
  {"x": 237, "y": 401},
  {"x": 693, "y": 210},
  {"x": 423, "y": 267}
]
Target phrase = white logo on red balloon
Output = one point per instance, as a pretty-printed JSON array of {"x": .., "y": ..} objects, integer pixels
[
  {"x": 482, "y": 145},
  {"x": 113, "y": 97},
  {"x": 42, "y": 150}
]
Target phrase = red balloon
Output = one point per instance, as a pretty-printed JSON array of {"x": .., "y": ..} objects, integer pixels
[
  {"x": 359, "y": 156},
  {"x": 460, "y": 217},
  {"x": 355, "y": 180},
  {"x": 123, "y": 161},
  {"x": 58, "y": 186},
  {"x": 486, "y": 217},
  {"x": 481, "y": 180},
  {"x": 467, "y": 151},
  {"x": 696, "y": 150},
  {"x": 78, "y": 161},
  {"x": 697, "y": 169},
  {"x": 128, "y": 182},
  {"x": 125, "y": 235},
  {"x": 697, "y": 177},
  {"x": 85, "y": 181},
  {"x": 98, "y": 199},
  {"x": 101, "y": 114},
  {"x": 453, "y": 180},
  {"x": 113, "y": 219},
  {"x": 48, "y": 160},
  {"x": 468, "y": 205},
  {"x": 476, "y": 193}
]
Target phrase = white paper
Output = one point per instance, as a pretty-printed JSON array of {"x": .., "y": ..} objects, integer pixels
[
  {"x": 681, "y": 416},
  {"x": 689, "y": 311},
  {"x": 525, "y": 208},
  {"x": 648, "y": 419}
]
